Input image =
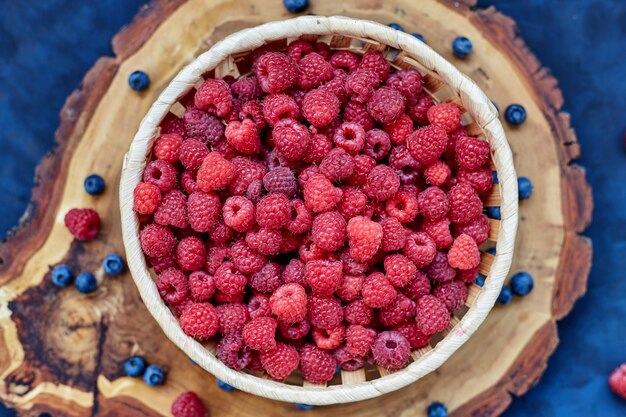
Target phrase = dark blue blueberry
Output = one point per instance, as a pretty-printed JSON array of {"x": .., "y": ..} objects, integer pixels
[
  {"x": 304, "y": 407},
  {"x": 61, "y": 275},
  {"x": 493, "y": 212},
  {"x": 396, "y": 27},
  {"x": 506, "y": 296},
  {"x": 94, "y": 184},
  {"x": 154, "y": 375},
  {"x": 492, "y": 251},
  {"x": 134, "y": 366},
  {"x": 494, "y": 174},
  {"x": 461, "y": 46},
  {"x": 437, "y": 409},
  {"x": 515, "y": 114},
  {"x": 419, "y": 36},
  {"x": 524, "y": 187},
  {"x": 522, "y": 284},
  {"x": 296, "y": 6},
  {"x": 113, "y": 264},
  {"x": 139, "y": 81},
  {"x": 479, "y": 280},
  {"x": 224, "y": 386},
  {"x": 86, "y": 282}
]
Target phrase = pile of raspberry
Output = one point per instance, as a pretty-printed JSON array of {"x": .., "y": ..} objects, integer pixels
[{"x": 321, "y": 211}]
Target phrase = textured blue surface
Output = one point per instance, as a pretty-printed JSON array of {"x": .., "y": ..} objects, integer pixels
[{"x": 583, "y": 42}]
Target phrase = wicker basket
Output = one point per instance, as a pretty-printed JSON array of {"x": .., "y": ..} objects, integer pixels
[{"x": 445, "y": 83}]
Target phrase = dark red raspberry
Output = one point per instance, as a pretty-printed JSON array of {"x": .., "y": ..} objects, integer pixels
[
  {"x": 357, "y": 112},
  {"x": 364, "y": 238},
  {"x": 426, "y": 144},
  {"x": 328, "y": 338},
  {"x": 228, "y": 280},
  {"x": 347, "y": 362},
  {"x": 361, "y": 84},
  {"x": 307, "y": 173},
  {"x": 276, "y": 72},
  {"x": 320, "y": 107},
  {"x": 173, "y": 286},
  {"x": 400, "y": 129},
  {"x": 289, "y": 303},
  {"x": 317, "y": 365},
  {"x": 280, "y": 180},
  {"x": 481, "y": 179},
  {"x": 253, "y": 110},
  {"x": 233, "y": 352},
  {"x": 323, "y": 49},
  {"x": 382, "y": 183},
  {"x": 329, "y": 231},
  {"x": 201, "y": 285},
  {"x": 386, "y": 105},
  {"x": 260, "y": 334},
  {"x": 232, "y": 317},
  {"x": 346, "y": 60},
  {"x": 472, "y": 153},
  {"x": 351, "y": 137},
  {"x": 267, "y": 279},
  {"x": 337, "y": 86},
  {"x": 377, "y": 291},
  {"x": 394, "y": 234},
  {"x": 238, "y": 213},
  {"x": 433, "y": 203},
  {"x": 453, "y": 138},
  {"x": 419, "y": 111},
  {"x": 416, "y": 339},
  {"x": 407, "y": 167},
  {"x": 192, "y": 153},
  {"x": 467, "y": 276},
  {"x": 245, "y": 259},
  {"x": 292, "y": 139},
  {"x": 273, "y": 211},
  {"x": 363, "y": 166},
  {"x": 191, "y": 254},
  {"x": 464, "y": 253},
  {"x": 199, "y": 320},
  {"x": 465, "y": 205},
  {"x": 188, "y": 404},
  {"x": 215, "y": 172},
  {"x": 399, "y": 270},
  {"x": 477, "y": 229},
  {"x": 403, "y": 206},
  {"x": 173, "y": 210},
  {"x": 179, "y": 308},
  {"x": 221, "y": 298},
  {"x": 353, "y": 203},
  {"x": 439, "y": 270},
  {"x": 408, "y": 82},
  {"x": 439, "y": 231},
  {"x": 247, "y": 89},
  {"x": 400, "y": 310},
  {"x": 294, "y": 331},
  {"x": 325, "y": 311},
  {"x": 203, "y": 210},
  {"x": 172, "y": 124},
  {"x": 438, "y": 173},
  {"x": 299, "y": 48},
  {"x": 203, "y": 127},
  {"x": 391, "y": 350},
  {"x": 320, "y": 194},
  {"x": 377, "y": 144},
  {"x": 452, "y": 294},
  {"x": 157, "y": 241},
  {"x": 446, "y": 115},
  {"x": 146, "y": 198},
  {"x": 220, "y": 233},
  {"x": 357, "y": 312},
  {"x": 259, "y": 306},
  {"x": 319, "y": 147},
  {"x": 432, "y": 315},
  {"x": 291, "y": 242},
  {"x": 280, "y": 362},
  {"x": 323, "y": 276},
  {"x": 265, "y": 241},
  {"x": 162, "y": 174},
  {"x": 297, "y": 96},
  {"x": 294, "y": 273},
  {"x": 223, "y": 148},
  {"x": 255, "y": 191},
  {"x": 167, "y": 147},
  {"x": 376, "y": 62},
  {"x": 279, "y": 106},
  {"x": 248, "y": 171},
  {"x": 418, "y": 287},
  {"x": 359, "y": 339},
  {"x": 313, "y": 71},
  {"x": 243, "y": 136},
  {"x": 419, "y": 248},
  {"x": 337, "y": 165},
  {"x": 214, "y": 97}
]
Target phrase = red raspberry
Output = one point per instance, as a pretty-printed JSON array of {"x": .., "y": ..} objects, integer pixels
[
  {"x": 320, "y": 195},
  {"x": 300, "y": 219},
  {"x": 223, "y": 148},
  {"x": 161, "y": 174},
  {"x": 464, "y": 253},
  {"x": 391, "y": 350},
  {"x": 276, "y": 72},
  {"x": 377, "y": 291},
  {"x": 439, "y": 231},
  {"x": 439, "y": 270},
  {"x": 403, "y": 206},
  {"x": 313, "y": 71},
  {"x": 320, "y": 107},
  {"x": 253, "y": 110},
  {"x": 173, "y": 210},
  {"x": 328, "y": 338},
  {"x": 188, "y": 404},
  {"x": 346, "y": 60},
  {"x": 420, "y": 110},
  {"x": 297, "y": 96},
  {"x": 299, "y": 48},
  {"x": 259, "y": 306},
  {"x": 215, "y": 172},
  {"x": 364, "y": 238},
  {"x": 325, "y": 311},
  {"x": 273, "y": 211},
  {"x": 438, "y": 173},
  {"x": 419, "y": 248},
  {"x": 179, "y": 308},
  {"x": 357, "y": 312},
  {"x": 416, "y": 339},
  {"x": 329, "y": 231},
  {"x": 307, "y": 173},
  {"x": 347, "y": 362},
  {"x": 248, "y": 171},
  {"x": 238, "y": 213},
  {"x": 337, "y": 165},
  {"x": 426, "y": 144},
  {"x": 386, "y": 105},
  {"x": 245, "y": 259},
  {"x": 361, "y": 84},
  {"x": 260, "y": 334},
  {"x": 192, "y": 153},
  {"x": 453, "y": 138},
  {"x": 233, "y": 352},
  {"x": 280, "y": 362},
  {"x": 433, "y": 203},
  {"x": 232, "y": 317},
  {"x": 467, "y": 276},
  {"x": 228, "y": 280},
  {"x": 317, "y": 365},
  {"x": 191, "y": 254},
  {"x": 353, "y": 203},
  {"x": 350, "y": 265},
  {"x": 394, "y": 234},
  {"x": 337, "y": 86},
  {"x": 376, "y": 62},
  {"x": 289, "y": 303},
  {"x": 146, "y": 198},
  {"x": 432, "y": 315},
  {"x": 265, "y": 241},
  {"x": 400, "y": 310},
  {"x": 173, "y": 286},
  {"x": 363, "y": 166},
  {"x": 221, "y": 298},
  {"x": 324, "y": 277},
  {"x": 399, "y": 270},
  {"x": 350, "y": 288},
  {"x": 292, "y": 139},
  {"x": 156, "y": 240},
  {"x": 199, "y": 320},
  {"x": 408, "y": 168},
  {"x": 481, "y": 180},
  {"x": 220, "y": 233},
  {"x": 465, "y": 205},
  {"x": 472, "y": 153},
  {"x": 167, "y": 147},
  {"x": 294, "y": 273},
  {"x": 477, "y": 229},
  {"x": 203, "y": 127},
  {"x": 267, "y": 279},
  {"x": 446, "y": 115},
  {"x": 617, "y": 381},
  {"x": 351, "y": 137},
  {"x": 247, "y": 89},
  {"x": 319, "y": 147},
  {"x": 279, "y": 106},
  {"x": 172, "y": 124},
  {"x": 452, "y": 294},
  {"x": 356, "y": 112},
  {"x": 309, "y": 251},
  {"x": 359, "y": 339},
  {"x": 214, "y": 97},
  {"x": 408, "y": 82},
  {"x": 280, "y": 180},
  {"x": 418, "y": 287},
  {"x": 243, "y": 136},
  {"x": 203, "y": 210},
  {"x": 294, "y": 331},
  {"x": 382, "y": 183},
  {"x": 399, "y": 129},
  {"x": 377, "y": 144},
  {"x": 201, "y": 285},
  {"x": 255, "y": 191}
]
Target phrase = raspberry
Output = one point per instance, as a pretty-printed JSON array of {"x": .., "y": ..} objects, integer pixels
[
  {"x": 399, "y": 270},
  {"x": 328, "y": 338},
  {"x": 179, "y": 308},
  {"x": 617, "y": 381},
  {"x": 247, "y": 89},
  {"x": 394, "y": 234},
  {"x": 399, "y": 129},
  {"x": 446, "y": 115},
  {"x": 356, "y": 112},
  {"x": 280, "y": 362},
  {"x": 253, "y": 110},
  {"x": 319, "y": 147},
  {"x": 382, "y": 183},
  {"x": 452, "y": 294},
  {"x": 439, "y": 231},
  {"x": 350, "y": 136},
  {"x": 364, "y": 238},
  {"x": 416, "y": 339},
  {"x": 400, "y": 310},
  {"x": 173, "y": 286},
  {"x": 214, "y": 97},
  {"x": 467, "y": 276},
  {"x": 481, "y": 180},
  {"x": 199, "y": 320},
  {"x": 408, "y": 82},
  {"x": 465, "y": 205},
  {"x": 363, "y": 166},
  {"x": 439, "y": 270},
  {"x": 323, "y": 276},
  {"x": 309, "y": 251},
  {"x": 386, "y": 105},
  {"x": 294, "y": 331},
  {"x": 289, "y": 303},
  {"x": 464, "y": 253},
  {"x": 313, "y": 71},
  {"x": 317, "y": 365},
  {"x": 357, "y": 312},
  {"x": 294, "y": 273},
  {"x": 172, "y": 124},
  {"x": 359, "y": 340},
  {"x": 221, "y": 298},
  {"x": 438, "y": 173},
  {"x": 419, "y": 248},
  {"x": 245, "y": 259},
  {"x": 201, "y": 285},
  {"x": 259, "y": 306},
  {"x": 350, "y": 288},
  {"x": 375, "y": 61},
  {"x": 280, "y": 180},
  {"x": 232, "y": 317},
  {"x": 426, "y": 144},
  {"x": 360, "y": 85},
  {"x": 347, "y": 362},
  {"x": 203, "y": 127},
  {"x": 329, "y": 231},
  {"x": 191, "y": 254},
  {"x": 238, "y": 213},
  {"x": 407, "y": 167},
  {"x": 215, "y": 172},
  {"x": 320, "y": 195},
  {"x": 223, "y": 148},
  {"x": 291, "y": 138},
  {"x": 167, "y": 147},
  {"x": 301, "y": 219},
  {"x": 260, "y": 51},
  {"x": 377, "y": 144},
  {"x": 203, "y": 210},
  {"x": 337, "y": 86},
  {"x": 391, "y": 350},
  {"x": 243, "y": 136},
  {"x": 346, "y": 60},
  {"x": 233, "y": 352},
  {"x": 220, "y": 233},
  {"x": 418, "y": 287},
  {"x": 432, "y": 315},
  {"x": 162, "y": 263},
  {"x": 453, "y": 138},
  {"x": 477, "y": 229},
  {"x": 472, "y": 153},
  {"x": 267, "y": 279},
  {"x": 161, "y": 174},
  {"x": 403, "y": 206},
  {"x": 173, "y": 210},
  {"x": 248, "y": 171},
  {"x": 320, "y": 107},
  {"x": 192, "y": 153},
  {"x": 433, "y": 203},
  {"x": 279, "y": 106},
  {"x": 323, "y": 49},
  {"x": 188, "y": 404},
  {"x": 228, "y": 280},
  {"x": 353, "y": 203},
  {"x": 377, "y": 291},
  {"x": 419, "y": 111},
  {"x": 307, "y": 173},
  {"x": 264, "y": 241},
  {"x": 273, "y": 211},
  {"x": 325, "y": 311},
  {"x": 146, "y": 198},
  {"x": 299, "y": 48},
  {"x": 188, "y": 181},
  {"x": 337, "y": 165},
  {"x": 276, "y": 72},
  {"x": 156, "y": 240},
  {"x": 376, "y": 211},
  {"x": 259, "y": 334}
]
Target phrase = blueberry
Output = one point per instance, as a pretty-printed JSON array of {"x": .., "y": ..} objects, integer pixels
[
  {"x": 86, "y": 282},
  {"x": 437, "y": 409},
  {"x": 296, "y": 6},
  {"x": 94, "y": 184},
  {"x": 505, "y": 296},
  {"x": 139, "y": 81},
  {"x": 522, "y": 284},
  {"x": 524, "y": 187},
  {"x": 461, "y": 46},
  {"x": 61, "y": 275},
  {"x": 479, "y": 280},
  {"x": 113, "y": 264},
  {"x": 134, "y": 366},
  {"x": 494, "y": 174},
  {"x": 396, "y": 27},
  {"x": 491, "y": 251},
  {"x": 419, "y": 36},
  {"x": 224, "y": 386},
  {"x": 493, "y": 212},
  {"x": 154, "y": 375},
  {"x": 304, "y": 407},
  {"x": 515, "y": 114}
]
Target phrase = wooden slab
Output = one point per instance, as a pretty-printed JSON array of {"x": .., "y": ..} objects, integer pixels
[{"x": 61, "y": 352}]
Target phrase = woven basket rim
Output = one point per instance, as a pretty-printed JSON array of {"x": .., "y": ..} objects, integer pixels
[{"x": 474, "y": 101}]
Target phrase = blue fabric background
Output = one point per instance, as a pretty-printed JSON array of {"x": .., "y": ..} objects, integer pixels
[{"x": 46, "y": 46}]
